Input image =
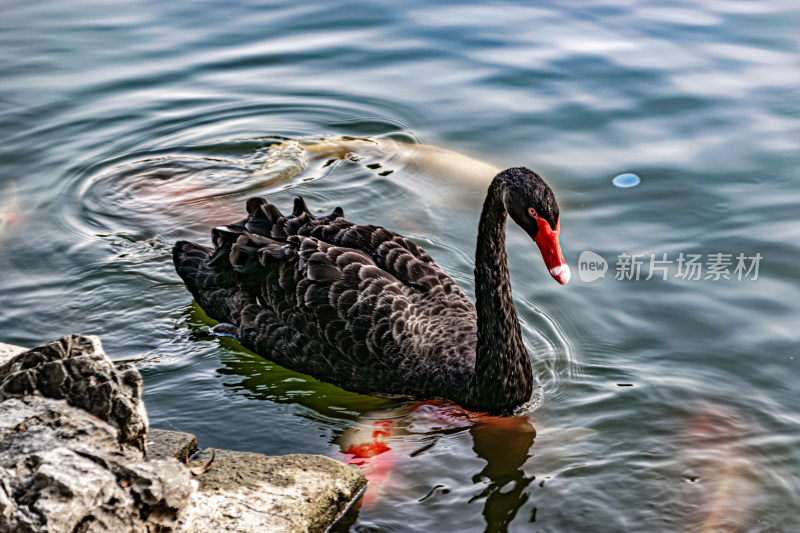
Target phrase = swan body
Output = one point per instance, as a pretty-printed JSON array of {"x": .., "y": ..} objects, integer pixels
[{"x": 369, "y": 310}]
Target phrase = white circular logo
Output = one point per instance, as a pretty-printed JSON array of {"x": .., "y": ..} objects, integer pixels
[{"x": 591, "y": 266}]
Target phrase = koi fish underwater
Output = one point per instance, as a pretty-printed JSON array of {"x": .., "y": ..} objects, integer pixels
[
  {"x": 182, "y": 194},
  {"x": 384, "y": 445},
  {"x": 719, "y": 487},
  {"x": 721, "y": 469},
  {"x": 9, "y": 208}
]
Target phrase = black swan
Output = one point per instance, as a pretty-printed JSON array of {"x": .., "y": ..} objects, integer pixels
[{"x": 370, "y": 311}]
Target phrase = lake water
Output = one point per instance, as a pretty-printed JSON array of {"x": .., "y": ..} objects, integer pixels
[{"x": 664, "y": 404}]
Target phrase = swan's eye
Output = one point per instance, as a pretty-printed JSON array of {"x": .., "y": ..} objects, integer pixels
[{"x": 532, "y": 212}]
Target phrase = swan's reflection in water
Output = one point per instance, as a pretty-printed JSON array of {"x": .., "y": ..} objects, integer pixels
[
  {"x": 437, "y": 454},
  {"x": 385, "y": 444},
  {"x": 423, "y": 453},
  {"x": 506, "y": 445}
]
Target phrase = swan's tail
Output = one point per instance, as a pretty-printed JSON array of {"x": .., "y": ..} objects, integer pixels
[
  {"x": 189, "y": 259},
  {"x": 224, "y": 279},
  {"x": 214, "y": 290}
]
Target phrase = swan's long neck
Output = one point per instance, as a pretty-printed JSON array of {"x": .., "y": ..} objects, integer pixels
[{"x": 503, "y": 378}]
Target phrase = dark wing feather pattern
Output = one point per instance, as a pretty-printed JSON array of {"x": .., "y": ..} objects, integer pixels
[{"x": 355, "y": 305}]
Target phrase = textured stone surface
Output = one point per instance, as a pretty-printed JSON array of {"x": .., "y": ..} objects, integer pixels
[
  {"x": 163, "y": 444},
  {"x": 72, "y": 441},
  {"x": 76, "y": 369},
  {"x": 7, "y": 351},
  {"x": 64, "y": 468},
  {"x": 248, "y": 492}
]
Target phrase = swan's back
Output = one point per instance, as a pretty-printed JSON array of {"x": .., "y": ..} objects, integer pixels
[{"x": 355, "y": 305}]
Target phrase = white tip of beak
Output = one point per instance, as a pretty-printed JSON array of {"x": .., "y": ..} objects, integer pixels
[{"x": 561, "y": 274}]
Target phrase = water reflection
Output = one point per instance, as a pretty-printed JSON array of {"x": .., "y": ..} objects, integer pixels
[
  {"x": 431, "y": 452},
  {"x": 506, "y": 445},
  {"x": 390, "y": 441}
]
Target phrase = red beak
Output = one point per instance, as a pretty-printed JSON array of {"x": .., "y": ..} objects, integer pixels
[{"x": 549, "y": 245}]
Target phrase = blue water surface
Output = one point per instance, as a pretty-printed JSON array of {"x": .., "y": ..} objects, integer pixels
[{"x": 668, "y": 397}]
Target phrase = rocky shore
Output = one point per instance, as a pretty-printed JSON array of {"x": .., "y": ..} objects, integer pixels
[{"x": 76, "y": 455}]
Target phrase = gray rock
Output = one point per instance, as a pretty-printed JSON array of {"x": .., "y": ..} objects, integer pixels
[
  {"x": 72, "y": 459},
  {"x": 7, "y": 351},
  {"x": 63, "y": 469},
  {"x": 69, "y": 465},
  {"x": 76, "y": 369},
  {"x": 247, "y": 492},
  {"x": 163, "y": 443}
]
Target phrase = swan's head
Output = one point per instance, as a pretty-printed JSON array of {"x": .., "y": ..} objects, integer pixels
[{"x": 532, "y": 204}]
